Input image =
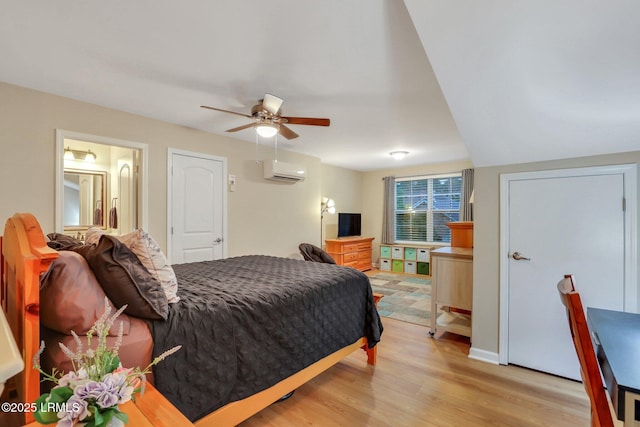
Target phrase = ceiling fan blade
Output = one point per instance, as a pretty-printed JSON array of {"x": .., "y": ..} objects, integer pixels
[
  {"x": 250, "y": 125},
  {"x": 225, "y": 111},
  {"x": 306, "y": 121},
  {"x": 287, "y": 133},
  {"x": 271, "y": 103}
]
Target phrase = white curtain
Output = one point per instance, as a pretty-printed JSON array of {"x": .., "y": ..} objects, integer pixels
[{"x": 388, "y": 223}]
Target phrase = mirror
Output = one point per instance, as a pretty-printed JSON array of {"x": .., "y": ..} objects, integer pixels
[
  {"x": 84, "y": 199},
  {"x": 114, "y": 172}
]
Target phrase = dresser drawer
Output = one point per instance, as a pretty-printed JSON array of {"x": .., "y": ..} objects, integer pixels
[
  {"x": 351, "y": 256},
  {"x": 364, "y": 246},
  {"x": 364, "y": 254},
  {"x": 352, "y": 247}
]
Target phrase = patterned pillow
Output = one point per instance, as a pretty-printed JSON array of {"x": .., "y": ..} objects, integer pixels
[
  {"x": 92, "y": 236},
  {"x": 151, "y": 256}
]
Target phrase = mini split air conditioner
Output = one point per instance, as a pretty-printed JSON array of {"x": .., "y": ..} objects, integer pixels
[{"x": 281, "y": 171}]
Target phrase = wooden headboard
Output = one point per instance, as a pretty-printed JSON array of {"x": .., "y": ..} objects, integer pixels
[{"x": 25, "y": 256}]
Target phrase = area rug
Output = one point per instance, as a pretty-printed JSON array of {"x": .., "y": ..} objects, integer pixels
[{"x": 406, "y": 298}]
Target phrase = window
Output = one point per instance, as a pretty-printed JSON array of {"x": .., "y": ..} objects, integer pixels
[{"x": 424, "y": 205}]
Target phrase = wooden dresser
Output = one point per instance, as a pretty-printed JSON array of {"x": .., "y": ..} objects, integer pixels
[{"x": 351, "y": 251}]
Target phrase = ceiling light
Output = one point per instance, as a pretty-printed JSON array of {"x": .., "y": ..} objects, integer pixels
[
  {"x": 398, "y": 155},
  {"x": 267, "y": 130}
]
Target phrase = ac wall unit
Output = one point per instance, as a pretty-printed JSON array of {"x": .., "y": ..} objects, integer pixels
[{"x": 281, "y": 171}]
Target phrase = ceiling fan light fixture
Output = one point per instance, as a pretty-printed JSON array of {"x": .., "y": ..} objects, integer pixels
[
  {"x": 267, "y": 130},
  {"x": 398, "y": 155}
]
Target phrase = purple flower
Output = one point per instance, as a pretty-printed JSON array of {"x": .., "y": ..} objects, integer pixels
[
  {"x": 75, "y": 409},
  {"x": 88, "y": 390}
]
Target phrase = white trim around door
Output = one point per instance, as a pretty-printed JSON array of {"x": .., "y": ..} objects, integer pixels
[{"x": 630, "y": 227}]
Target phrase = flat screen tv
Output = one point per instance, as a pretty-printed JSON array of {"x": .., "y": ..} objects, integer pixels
[{"x": 349, "y": 224}]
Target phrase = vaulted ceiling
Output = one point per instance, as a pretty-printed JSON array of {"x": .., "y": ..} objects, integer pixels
[{"x": 495, "y": 81}]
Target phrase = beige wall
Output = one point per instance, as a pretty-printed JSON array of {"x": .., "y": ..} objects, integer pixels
[
  {"x": 373, "y": 195},
  {"x": 486, "y": 267},
  {"x": 344, "y": 186},
  {"x": 263, "y": 217}
]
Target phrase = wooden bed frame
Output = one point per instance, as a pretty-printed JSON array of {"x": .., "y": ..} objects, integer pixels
[{"x": 24, "y": 256}]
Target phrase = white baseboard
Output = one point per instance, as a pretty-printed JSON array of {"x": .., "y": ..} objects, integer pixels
[{"x": 484, "y": 356}]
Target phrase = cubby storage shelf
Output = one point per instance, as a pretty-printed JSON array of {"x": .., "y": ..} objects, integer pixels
[{"x": 405, "y": 259}]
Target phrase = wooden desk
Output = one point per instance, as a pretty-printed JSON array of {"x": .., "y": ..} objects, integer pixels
[
  {"x": 150, "y": 410},
  {"x": 616, "y": 336}
]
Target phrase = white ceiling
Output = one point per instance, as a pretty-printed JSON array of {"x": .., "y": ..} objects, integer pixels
[{"x": 524, "y": 80}]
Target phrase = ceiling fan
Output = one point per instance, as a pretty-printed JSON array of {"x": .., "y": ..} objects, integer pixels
[{"x": 268, "y": 119}]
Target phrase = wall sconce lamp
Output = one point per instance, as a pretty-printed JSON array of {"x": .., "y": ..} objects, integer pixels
[
  {"x": 88, "y": 156},
  {"x": 267, "y": 130},
  {"x": 398, "y": 155}
]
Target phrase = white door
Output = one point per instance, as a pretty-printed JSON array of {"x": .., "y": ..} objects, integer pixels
[
  {"x": 566, "y": 222},
  {"x": 197, "y": 208}
]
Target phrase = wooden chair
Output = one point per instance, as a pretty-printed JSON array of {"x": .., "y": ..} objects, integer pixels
[{"x": 589, "y": 368}]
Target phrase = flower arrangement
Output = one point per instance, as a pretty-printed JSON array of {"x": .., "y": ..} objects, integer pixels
[{"x": 90, "y": 394}]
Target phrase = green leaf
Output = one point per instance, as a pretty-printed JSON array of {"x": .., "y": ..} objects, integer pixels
[
  {"x": 61, "y": 394},
  {"x": 98, "y": 418},
  {"x": 113, "y": 364},
  {"x": 44, "y": 417},
  {"x": 122, "y": 416}
]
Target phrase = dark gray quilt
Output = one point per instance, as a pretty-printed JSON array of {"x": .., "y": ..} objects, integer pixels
[{"x": 246, "y": 323}]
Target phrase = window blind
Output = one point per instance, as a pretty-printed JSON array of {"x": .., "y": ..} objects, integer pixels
[{"x": 423, "y": 206}]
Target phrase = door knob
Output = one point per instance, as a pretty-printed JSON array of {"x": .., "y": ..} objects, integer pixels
[
  {"x": 217, "y": 241},
  {"x": 518, "y": 257}
]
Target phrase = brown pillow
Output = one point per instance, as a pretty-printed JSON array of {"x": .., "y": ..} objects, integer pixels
[
  {"x": 62, "y": 242},
  {"x": 125, "y": 280},
  {"x": 71, "y": 298}
]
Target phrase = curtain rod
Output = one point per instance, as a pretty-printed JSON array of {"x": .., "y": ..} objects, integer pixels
[{"x": 426, "y": 175}]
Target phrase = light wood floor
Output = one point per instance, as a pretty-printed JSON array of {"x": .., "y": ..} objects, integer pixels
[{"x": 420, "y": 381}]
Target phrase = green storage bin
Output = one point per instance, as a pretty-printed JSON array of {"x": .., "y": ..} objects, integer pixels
[
  {"x": 410, "y": 254},
  {"x": 385, "y": 251},
  {"x": 423, "y": 268},
  {"x": 397, "y": 266}
]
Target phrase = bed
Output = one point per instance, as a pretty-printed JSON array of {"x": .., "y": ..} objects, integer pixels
[{"x": 252, "y": 328}]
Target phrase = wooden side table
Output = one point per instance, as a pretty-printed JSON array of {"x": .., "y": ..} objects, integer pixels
[
  {"x": 150, "y": 410},
  {"x": 452, "y": 275}
]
